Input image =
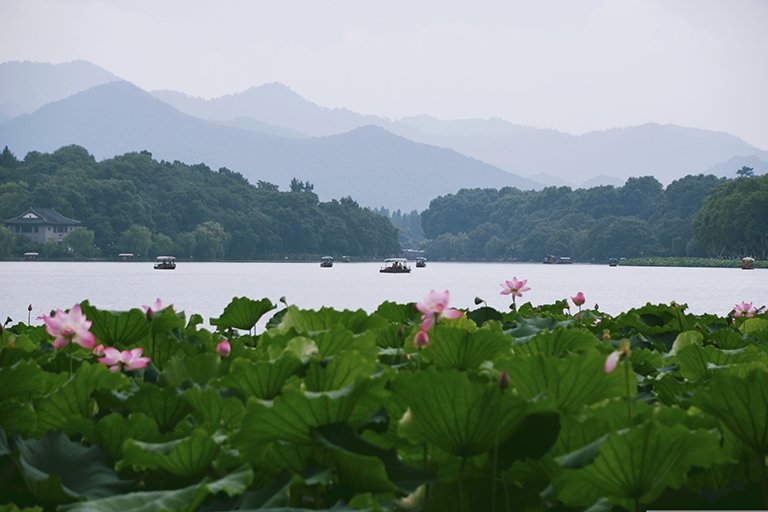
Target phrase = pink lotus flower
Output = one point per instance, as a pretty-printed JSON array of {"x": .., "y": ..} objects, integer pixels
[
  {"x": 421, "y": 340},
  {"x": 69, "y": 327},
  {"x": 99, "y": 350},
  {"x": 435, "y": 308},
  {"x": 127, "y": 359},
  {"x": 514, "y": 287},
  {"x": 155, "y": 308},
  {"x": 745, "y": 308},
  {"x": 579, "y": 299},
  {"x": 223, "y": 348},
  {"x": 612, "y": 361}
]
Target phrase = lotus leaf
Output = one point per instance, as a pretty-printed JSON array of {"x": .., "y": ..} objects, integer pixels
[{"x": 242, "y": 313}]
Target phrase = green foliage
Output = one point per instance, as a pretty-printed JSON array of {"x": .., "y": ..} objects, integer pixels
[
  {"x": 132, "y": 203},
  {"x": 639, "y": 218},
  {"x": 335, "y": 410}
]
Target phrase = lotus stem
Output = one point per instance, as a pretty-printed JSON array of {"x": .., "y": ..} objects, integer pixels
[
  {"x": 462, "y": 504},
  {"x": 627, "y": 368},
  {"x": 69, "y": 351}
]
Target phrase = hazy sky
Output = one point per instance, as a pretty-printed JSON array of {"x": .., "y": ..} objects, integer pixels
[{"x": 565, "y": 64}]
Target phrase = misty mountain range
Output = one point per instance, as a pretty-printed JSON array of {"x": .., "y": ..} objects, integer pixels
[{"x": 270, "y": 133}]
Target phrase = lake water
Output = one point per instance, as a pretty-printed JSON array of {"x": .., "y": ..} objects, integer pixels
[{"x": 206, "y": 288}]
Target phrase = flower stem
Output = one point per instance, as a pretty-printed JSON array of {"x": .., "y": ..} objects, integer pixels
[
  {"x": 69, "y": 351},
  {"x": 627, "y": 368}
]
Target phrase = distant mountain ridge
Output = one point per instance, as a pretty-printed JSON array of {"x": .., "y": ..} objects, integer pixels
[
  {"x": 26, "y": 86},
  {"x": 667, "y": 152},
  {"x": 373, "y": 166},
  {"x": 550, "y": 157}
]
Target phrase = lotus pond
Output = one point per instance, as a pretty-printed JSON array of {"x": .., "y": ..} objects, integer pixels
[{"x": 530, "y": 408}]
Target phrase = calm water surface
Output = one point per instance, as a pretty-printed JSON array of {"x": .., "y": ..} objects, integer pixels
[{"x": 206, "y": 288}]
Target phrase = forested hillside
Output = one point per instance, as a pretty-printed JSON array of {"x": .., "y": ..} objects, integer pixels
[
  {"x": 133, "y": 203},
  {"x": 640, "y": 218}
]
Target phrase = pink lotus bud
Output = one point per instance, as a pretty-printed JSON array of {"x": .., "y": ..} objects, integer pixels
[
  {"x": 579, "y": 299},
  {"x": 223, "y": 348},
  {"x": 99, "y": 349},
  {"x": 612, "y": 361},
  {"x": 421, "y": 340}
]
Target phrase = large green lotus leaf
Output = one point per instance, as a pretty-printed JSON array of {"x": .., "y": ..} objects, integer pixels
[
  {"x": 113, "y": 328},
  {"x": 754, "y": 325},
  {"x": 740, "y": 402},
  {"x": 200, "y": 369},
  {"x": 684, "y": 339},
  {"x": 166, "y": 320},
  {"x": 485, "y": 314},
  {"x": 186, "y": 457},
  {"x": 164, "y": 405},
  {"x": 278, "y": 456},
  {"x": 291, "y": 416},
  {"x": 17, "y": 417},
  {"x": 463, "y": 350},
  {"x": 113, "y": 429},
  {"x": 242, "y": 313},
  {"x": 727, "y": 339},
  {"x": 398, "y": 313},
  {"x": 697, "y": 362},
  {"x": 571, "y": 383},
  {"x": 460, "y": 416},
  {"x": 529, "y": 327},
  {"x": 261, "y": 379},
  {"x": 72, "y": 403},
  {"x": 188, "y": 499},
  {"x": 311, "y": 321},
  {"x": 576, "y": 432},
  {"x": 22, "y": 381},
  {"x": 212, "y": 409},
  {"x": 365, "y": 467},
  {"x": 55, "y": 467},
  {"x": 559, "y": 342},
  {"x": 671, "y": 391},
  {"x": 637, "y": 464},
  {"x": 339, "y": 339},
  {"x": 647, "y": 362},
  {"x": 341, "y": 371}
]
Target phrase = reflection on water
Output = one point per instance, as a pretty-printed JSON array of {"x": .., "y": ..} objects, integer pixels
[{"x": 206, "y": 288}]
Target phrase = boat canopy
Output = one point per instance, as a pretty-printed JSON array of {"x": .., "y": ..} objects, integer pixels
[{"x": 395, "y": 260}]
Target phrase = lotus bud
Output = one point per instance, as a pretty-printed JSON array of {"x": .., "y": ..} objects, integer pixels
[{"x": 223, "y": 348}]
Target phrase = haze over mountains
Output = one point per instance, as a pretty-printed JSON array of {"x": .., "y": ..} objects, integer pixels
[{"x": 270, "y": 133}]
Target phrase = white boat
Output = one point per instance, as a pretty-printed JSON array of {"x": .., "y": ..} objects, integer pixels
[
  {"x": 395, "y": 266},
  {"x": 165, "y": 263}
]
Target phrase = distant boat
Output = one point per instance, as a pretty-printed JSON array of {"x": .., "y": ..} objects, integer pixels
[
  {"x": 747, "y": 263},
  {"x": 395, "y": 266},
  {"x": 613, "y": 262},
  {"x": 421, "y": 262},
  {"x": 345, "y": 259},
  {"x": 125, "y": 256},
  {"x": 31, "y": 256},
  {"x": 564, "y": 260},
  {"x": 326, "y": 261},
  {"x": 549, "y": 259},
  {"x": 165, "y": 263}
]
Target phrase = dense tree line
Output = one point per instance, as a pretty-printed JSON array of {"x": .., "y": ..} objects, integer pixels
[
  {"x": 133, "y": 203},
  {"x": 408, "y": 225},
  {"x": 640, "y": 218}
]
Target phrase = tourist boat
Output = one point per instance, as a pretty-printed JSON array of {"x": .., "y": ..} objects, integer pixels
[
  {"x": 326, "y": 261},
  {"x": 613, "y": 262},
  {"x": 564, "y": 260},
  {"x": 165, "y": 263},
  {"x": 125, "y": 256},
  {"x": 747, "y": 263},
  {"x": 549, "y": 259},
  {"x": 31, "y": 256},
  {"x": 345, "y": 259},
  {"x": 395, "y": 266},
  {"x": 421, "y": 262}
]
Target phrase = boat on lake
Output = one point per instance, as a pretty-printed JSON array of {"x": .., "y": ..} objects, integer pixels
[
  {"x": 31, "y": 256},
  {"x": 421, "y": 262},
  {"x": 395, "y": 266},
  {"x": 326, "y": 261},
  {"x": 165, "y": 263},
  {"x": 747, "y": 263},
  {"x": 613, "y": 262},
  {"x": 346, "y": 259},
  {"x": 549, "y": 259},
  {"x": 564, "y": 260}
]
